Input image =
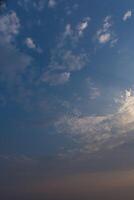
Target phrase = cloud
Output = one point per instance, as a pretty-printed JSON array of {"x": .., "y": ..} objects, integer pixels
[
  {"x": 68, "y": 30},
  {"x": 52, "y": 3},
  {"x": 127, "y": 15},
  {"x": 65, "y": 57},
  {"x": 77, "y": 31},
  {"x": 30, "y": 43},
  {"x": 106, "y": 34},
  {"x": 68, "y": 60},
  {"x": 83, "y": 25},
  {"x": 12, "y": 61},
  {"x": 94, "y": 91},
  {"x": 62, "y": 63},
  {"x": 9, "y": 26},
  {"x": 56, "y": 78},
  {"x": 96, "y": 133},
  {"x": 104, "y": 38}
]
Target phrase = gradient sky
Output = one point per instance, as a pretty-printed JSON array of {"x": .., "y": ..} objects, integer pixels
[{"x": 67, "y": 99}]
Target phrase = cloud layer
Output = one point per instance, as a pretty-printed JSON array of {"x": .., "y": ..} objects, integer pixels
[{"x": 95, "y": 133}]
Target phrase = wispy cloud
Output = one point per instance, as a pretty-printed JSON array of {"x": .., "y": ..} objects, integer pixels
[
  {"x": 94, "y": 91},
  {"x": 65, "y": 58},
  {"x": 95, "y": 133},
  {"x": 12, "y": 60},
  {"x": 68, "y": 60},
  {"x": 75, "y": 32},
  {"x": 52, "y": 3},
  {"x": 106, "y": 34},
  {"x": 55, "y": 78},
  {"x": 127, "y": 15},
  {"x": 63, "y": 62},
  {"x": 9, "y": 26}
]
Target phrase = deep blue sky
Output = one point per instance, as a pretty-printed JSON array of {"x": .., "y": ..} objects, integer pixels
[{"x": 66, "y": 98}]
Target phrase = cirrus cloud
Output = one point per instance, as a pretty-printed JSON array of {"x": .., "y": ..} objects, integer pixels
[{"x": 95, "y": 133}]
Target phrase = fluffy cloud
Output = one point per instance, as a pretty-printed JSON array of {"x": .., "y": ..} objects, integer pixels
[
  {"x": 127, "y": 15},
  {"x": 9, "y": 26},
  {"x": 30, "y": 43},
  {"x": 95, "y": 133},
  {"x": 104, "y": 38},
  {"x": 105, "y": 34}
]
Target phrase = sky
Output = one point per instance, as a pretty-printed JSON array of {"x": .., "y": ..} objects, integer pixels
[{"x": 66, "y": 99}]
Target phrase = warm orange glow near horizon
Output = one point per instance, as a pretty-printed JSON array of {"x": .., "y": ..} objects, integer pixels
[{"x": 96, "y": 185}]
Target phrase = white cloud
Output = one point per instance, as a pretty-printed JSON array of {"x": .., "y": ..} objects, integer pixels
[
  {"x": 75, "y": 33},
  {"x": 52, "y": 3},
  {"x": 9, "y": 26},
  {"x": 65, "y": 57},
  {"x": 83, "y": 25},
  {"x": 127, "y": 15},
  {"x": 107, "y": 23},
  {"x": 104, "y": 38},
  {"x": 54, "y": 78},
  {"x": 95, "y": 133},
  {"x": 106, "y": 34},
  {"x": 30, "y": 43}
]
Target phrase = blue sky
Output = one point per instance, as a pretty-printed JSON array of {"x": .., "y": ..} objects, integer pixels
[{"x": 66, "y": 95}]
